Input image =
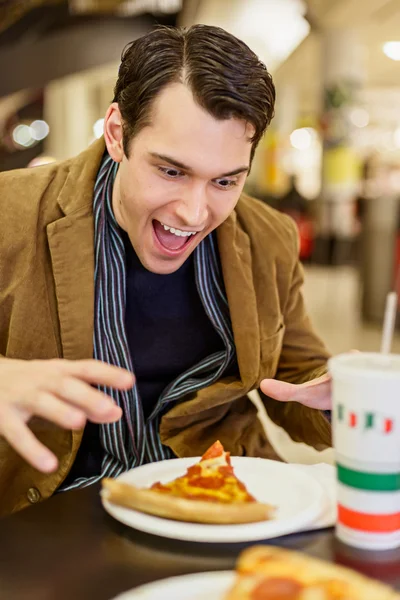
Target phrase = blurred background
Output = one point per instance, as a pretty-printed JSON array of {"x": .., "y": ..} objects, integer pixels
[{"x": 331, "y": 158}]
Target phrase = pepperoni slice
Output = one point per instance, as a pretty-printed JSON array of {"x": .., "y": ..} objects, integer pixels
[
  {"x": 193, "y": 471},
  {"x": 214, "y": 451},
  {"x": 210, "y": 483},
  {"x": 277, "y": 589},
  {"x": 226, "y": 470}
]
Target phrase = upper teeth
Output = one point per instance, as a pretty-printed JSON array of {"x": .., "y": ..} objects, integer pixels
[{"x": 178, "y": 232}]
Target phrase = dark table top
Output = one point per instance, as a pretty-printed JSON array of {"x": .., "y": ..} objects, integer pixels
[{"x": 69, "y": 547}]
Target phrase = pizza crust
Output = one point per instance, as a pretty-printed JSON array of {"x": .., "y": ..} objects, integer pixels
[
  {"x": 258, "y": 563},
  {"x": 182, "y": 509}
]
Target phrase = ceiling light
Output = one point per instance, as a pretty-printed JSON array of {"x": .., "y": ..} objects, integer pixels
[
  {"x": 39, "y": 130},
  {"x": 301, "y": 139},
  {"x": 135, "y": 7},
  {"x": 279, "y": 24},
  {"x": 98, "y": 128},
  {"x": 392, "y": 50},
  {"x": 272, "y": 28},
  {"x": 359, "y": 117},
  {"x": 22, "y": 136}
]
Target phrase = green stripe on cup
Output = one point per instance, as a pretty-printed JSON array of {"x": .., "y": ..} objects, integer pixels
[
  {"x": 374, "y": 482},
  {"x": 369, "y": 421}
]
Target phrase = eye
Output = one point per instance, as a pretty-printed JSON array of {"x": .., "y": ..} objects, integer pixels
[
  {"x": 225, "y": 184},
  {"x": 171, "y": 172}
]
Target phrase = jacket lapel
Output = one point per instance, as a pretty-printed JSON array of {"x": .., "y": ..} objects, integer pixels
[
  {"x": 72, "y": 255},
  {"x": 235, "y": 255},
  {"x": 71, "y": 243}
]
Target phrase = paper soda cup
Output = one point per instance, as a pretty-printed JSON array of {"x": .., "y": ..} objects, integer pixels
[{"x": 366, "y": 438}]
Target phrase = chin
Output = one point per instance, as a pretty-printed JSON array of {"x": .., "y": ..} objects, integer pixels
[{"x": 160, "y": 266}]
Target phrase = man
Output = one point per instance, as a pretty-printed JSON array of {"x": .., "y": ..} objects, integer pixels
[{"x": 143, "y": 253}]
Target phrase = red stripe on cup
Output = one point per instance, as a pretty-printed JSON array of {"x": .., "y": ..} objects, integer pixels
[
  {"x": 353, "y": 419},
  {"x": 388, "y": 425},
  {"x": 367, "y": 522}
]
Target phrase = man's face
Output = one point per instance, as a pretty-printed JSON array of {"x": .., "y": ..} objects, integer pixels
[{"x": 183, "y": 178}]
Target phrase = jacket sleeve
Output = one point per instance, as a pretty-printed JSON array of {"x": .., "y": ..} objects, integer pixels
[
  {"x": 304, "y": 355},
  {"x": 303, "y": 358}
]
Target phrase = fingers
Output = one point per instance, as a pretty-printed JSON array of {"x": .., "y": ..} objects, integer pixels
[
  {"x": 64, "y": 415},
  {"x": 20, "y": 437},
  {"x": 99, "y": 373},
  {"x": 73, "y": 387},
  {"x": 59, "y": 391},
  {"x": 96, "y": 406}
]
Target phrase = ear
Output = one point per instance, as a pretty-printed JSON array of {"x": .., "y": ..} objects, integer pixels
[{"x": 113, "y": 132}]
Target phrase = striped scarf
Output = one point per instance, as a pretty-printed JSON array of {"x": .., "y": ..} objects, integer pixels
[{"x": 133, "y": 441}]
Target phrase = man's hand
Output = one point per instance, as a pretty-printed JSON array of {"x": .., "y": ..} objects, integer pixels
[
  {"x": 56, "y": 390},
  {"x": 315, "y": 393}
]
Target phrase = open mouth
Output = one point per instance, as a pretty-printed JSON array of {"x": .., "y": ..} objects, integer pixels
[{"x": 170, "y": 239}]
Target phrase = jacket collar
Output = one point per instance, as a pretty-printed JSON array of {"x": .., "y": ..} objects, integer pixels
[
  {"x": 236, "y": 260},
  {"x": 77, "y": 192},
  {"x": 71, "y": 243}
]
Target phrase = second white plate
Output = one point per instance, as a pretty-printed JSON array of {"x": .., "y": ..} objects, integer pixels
[
  {"x": 298, "y": 497},
  {"x": 213, "y": 585}
]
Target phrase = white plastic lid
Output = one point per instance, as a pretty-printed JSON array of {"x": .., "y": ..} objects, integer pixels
[{"x": 367, "y": 364}]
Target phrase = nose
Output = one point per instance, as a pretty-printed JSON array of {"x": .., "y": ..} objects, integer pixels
[{"x": 192, "y": 208}]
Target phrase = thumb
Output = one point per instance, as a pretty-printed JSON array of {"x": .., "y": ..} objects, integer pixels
[
  {"x": 279, "y": 390},
  {"x": 315, "y": 393}
]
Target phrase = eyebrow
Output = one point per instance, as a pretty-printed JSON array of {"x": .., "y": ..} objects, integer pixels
[{"x": 183, "y": 167}]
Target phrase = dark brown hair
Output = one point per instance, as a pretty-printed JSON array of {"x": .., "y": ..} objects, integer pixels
[{"x": 226, "y": 78}]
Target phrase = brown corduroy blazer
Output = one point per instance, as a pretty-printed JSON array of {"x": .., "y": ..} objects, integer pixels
[{"x": 47, "y": 307}]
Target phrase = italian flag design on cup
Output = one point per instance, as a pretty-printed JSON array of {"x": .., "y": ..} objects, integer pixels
[
  {"x": 366, "y": 437},
  {"x": 366, "y": 420}
]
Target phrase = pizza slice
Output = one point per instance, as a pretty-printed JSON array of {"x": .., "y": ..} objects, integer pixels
[
  {"x": 209, "y": 492},
  {"x": 270, "y": 573}
]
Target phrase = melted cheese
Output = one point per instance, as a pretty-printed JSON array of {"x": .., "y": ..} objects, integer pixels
[{"x": 210, "y": 480}]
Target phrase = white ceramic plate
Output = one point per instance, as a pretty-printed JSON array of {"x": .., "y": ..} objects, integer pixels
[
  {"x": 199, "y": 586},
  {"x": 297, "y": 495}
]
